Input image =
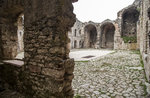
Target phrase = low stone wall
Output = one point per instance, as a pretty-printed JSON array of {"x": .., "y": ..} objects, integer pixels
[{"x": 9, "y": 74}]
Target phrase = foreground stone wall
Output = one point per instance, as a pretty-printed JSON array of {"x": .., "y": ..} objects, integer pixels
[
  {"x": 48, "y": 70},
  {"x": 47, "y": 64}
]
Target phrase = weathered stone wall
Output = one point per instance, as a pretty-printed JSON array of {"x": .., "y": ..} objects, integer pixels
[
  {"x": 79, "y": 38},
  {"x": 124, "y": 39},
  {"x": 144, "y": 33},
  {"x": 12, "y": 75},
  {"x": 9, "y": 11},
  {"x": 48, "y": 71},
  {"x": 47, "y": 64}
]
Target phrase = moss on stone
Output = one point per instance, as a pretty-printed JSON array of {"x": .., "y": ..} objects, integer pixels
[{"x": 128, "y": 39}]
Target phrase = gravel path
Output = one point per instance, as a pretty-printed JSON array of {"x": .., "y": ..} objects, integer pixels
[{"x": 117, "y": 75}]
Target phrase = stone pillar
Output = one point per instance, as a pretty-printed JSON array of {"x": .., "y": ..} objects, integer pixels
[{"x": 48, "y": 69}]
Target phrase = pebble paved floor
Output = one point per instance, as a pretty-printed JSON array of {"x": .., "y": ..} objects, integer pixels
[{"x": 117, "y": 75}]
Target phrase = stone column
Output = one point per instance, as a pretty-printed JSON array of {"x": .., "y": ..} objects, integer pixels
[{"x": 48, "y": 69}]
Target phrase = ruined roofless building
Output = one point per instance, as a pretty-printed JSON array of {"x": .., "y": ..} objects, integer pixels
[
  {"x": 121, "y": 33},
  {"x": 47, "y": 70}
]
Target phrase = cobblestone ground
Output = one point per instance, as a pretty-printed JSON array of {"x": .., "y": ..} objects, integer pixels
[{"x": 117, "y": 75}]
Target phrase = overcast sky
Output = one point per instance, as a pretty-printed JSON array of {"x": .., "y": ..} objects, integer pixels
[{"x": 99, "y": 10}]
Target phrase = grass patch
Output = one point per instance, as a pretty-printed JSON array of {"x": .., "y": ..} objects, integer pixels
[
  {"x": 77, "y": 96},
  {"x": 82, "y": 61},
  {"x": 113, "y": 52},
  {"x": 128, "y": 39},
  {"x": 136, "y": 52},
  {"x": 144, "y": 88}
]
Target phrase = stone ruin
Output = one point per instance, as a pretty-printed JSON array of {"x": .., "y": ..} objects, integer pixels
[
  {"x": 121, "y": 33},
  {"x": 46, "y": 70}
]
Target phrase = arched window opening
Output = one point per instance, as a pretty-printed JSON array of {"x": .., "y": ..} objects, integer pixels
[
  {"x": 75, "y": 32},
  {"x": 80, "y": 32}
]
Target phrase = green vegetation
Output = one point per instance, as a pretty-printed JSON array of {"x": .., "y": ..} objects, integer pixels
[
  {"x": 77, "y": 96},
  {"x": 144, "y": 88},
  {"x": 82, "y": 61},
  {"x": 138, "y": 9},
  {"x": 136, "y": 52},
  {"x": 129, "y": 39}
]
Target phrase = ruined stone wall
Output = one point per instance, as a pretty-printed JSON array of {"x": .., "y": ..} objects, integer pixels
[
  {"x": 130, "y": 40},
  {"x": 9, "y": 40},
  {"x": 9, "y": 12},
  {"x": 78, "y": 37},
  {"x": 49, "y": 71},
  {"x": 81, "y": 34},
  {"x": 144, "y": 33}
]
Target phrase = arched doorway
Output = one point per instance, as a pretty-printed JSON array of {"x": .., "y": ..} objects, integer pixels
[
  {"x": 90, "y": 36},
  {"x": 107, "y": 35},
  {"x": 129, "y": 25}
]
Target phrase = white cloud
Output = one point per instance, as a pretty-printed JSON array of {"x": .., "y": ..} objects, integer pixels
[{"x": 99, "y": 10}]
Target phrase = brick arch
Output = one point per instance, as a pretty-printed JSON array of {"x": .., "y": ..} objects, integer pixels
[
  {"x": 107, "y": 35},
  {"x": 90, "y": 36}
]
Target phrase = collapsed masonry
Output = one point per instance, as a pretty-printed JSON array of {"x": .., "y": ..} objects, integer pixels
[{"x": 47, "y": 70}]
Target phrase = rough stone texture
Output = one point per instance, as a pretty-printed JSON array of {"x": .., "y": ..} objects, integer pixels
[
  {"x": 76, "y": 35},
  {"x": 45, "y": 46},
  {"x": 112, "y": 76},
  {"x": 9, "y": 14},
  {"x": 48, "y": 71},
  {"x": 144, "y": 27}
]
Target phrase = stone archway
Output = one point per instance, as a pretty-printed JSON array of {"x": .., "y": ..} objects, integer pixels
[
  {"x": 129, "y": 25},
  {"x": 90, "y": 36},
  {"x": 107, "y": 35}
]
